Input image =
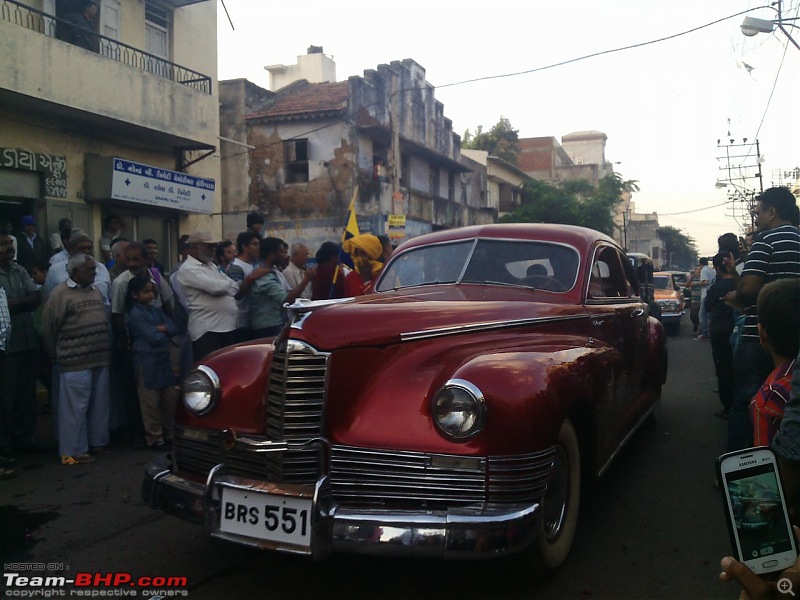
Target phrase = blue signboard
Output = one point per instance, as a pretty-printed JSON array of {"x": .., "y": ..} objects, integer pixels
[{"x": 145, "y": 184}]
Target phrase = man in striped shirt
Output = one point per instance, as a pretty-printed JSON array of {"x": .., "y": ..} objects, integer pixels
[{"x": 775, "y": 254}]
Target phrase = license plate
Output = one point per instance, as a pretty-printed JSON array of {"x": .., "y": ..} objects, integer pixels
[{"x": 277, "y": 518}]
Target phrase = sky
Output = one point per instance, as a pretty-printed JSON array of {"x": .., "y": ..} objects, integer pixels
[{"x": 663, "y": 105}]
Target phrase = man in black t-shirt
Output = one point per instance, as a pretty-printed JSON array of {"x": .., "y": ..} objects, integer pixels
[
  {"x": 720, "y": 325},
  {"x": 775, "y": 254}
]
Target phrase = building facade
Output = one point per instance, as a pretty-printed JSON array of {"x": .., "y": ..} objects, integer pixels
[
  {"x": 312, "y": 147},
  {"x": 121, "y": 117},
  {"x": 580, "y": 155},
  {"x": 504, "y": 181}
]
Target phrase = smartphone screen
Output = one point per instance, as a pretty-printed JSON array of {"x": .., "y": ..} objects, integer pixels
[
  {"x": 755, "y": 501},
  {"x": 757, "y": 518}
]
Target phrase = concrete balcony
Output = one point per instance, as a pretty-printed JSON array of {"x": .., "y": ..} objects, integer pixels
[{"x": 120, "y": 90}]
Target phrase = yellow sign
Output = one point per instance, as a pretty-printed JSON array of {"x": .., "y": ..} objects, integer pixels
[{"x": 396, "y": 226}]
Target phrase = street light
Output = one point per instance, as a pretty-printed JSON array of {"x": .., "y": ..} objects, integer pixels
[{"x": 752, "y": 26}]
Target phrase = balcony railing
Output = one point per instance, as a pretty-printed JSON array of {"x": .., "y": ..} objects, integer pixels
[{"x": 40, "y": 22}]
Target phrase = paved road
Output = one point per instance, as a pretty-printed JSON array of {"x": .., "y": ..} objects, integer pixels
[{"x": 652, "y": 528}]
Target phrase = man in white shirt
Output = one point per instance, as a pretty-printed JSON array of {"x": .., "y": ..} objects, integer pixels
[
  {"x": 296, "y": 269},
  {"x": 210, "y": 297},
  {"x": 707, "y": 275}
]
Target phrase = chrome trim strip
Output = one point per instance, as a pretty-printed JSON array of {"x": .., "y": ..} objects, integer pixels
[
  {"x": 627, "y": 438},
  {"x": 487, "y": 326}
]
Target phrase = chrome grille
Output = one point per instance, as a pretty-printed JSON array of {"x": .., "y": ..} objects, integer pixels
[
  {"x": 519, "y": 478},
  {"x": 200, "y": 455},
  {"x": 377, "y": 476},
  {"x": 295, "y": 400},
  {"x": 384, "y": 477}
]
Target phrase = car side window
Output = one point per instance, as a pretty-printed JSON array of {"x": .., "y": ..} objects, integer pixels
[{"x": 607, "y": 276}]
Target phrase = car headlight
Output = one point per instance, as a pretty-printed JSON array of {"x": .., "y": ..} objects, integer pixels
[
  {"x": 200, "y": 390},
  {"x": 459, "y": 410}
]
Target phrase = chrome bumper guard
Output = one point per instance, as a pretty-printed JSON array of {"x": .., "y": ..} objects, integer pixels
[{"x": 467, "y": 532}]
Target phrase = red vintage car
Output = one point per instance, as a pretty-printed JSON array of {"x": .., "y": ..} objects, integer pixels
[{"x": 455, "y": 413}]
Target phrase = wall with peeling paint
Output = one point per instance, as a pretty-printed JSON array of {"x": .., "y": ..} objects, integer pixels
[{"x": 355, "y": 149}]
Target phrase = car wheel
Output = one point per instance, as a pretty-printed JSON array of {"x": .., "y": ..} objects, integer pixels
[{"x": 560, "y": 506}]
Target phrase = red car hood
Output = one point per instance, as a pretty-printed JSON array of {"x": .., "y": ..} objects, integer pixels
[{"x": 384, "y": 319}]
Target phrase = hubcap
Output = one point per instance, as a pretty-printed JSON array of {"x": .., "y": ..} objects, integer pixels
[{"x": 557, "y": 496}]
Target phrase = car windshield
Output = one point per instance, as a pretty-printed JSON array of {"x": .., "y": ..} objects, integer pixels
[
  {"x": 532, "y": 264},
  {"x": 662, "y": 283}
]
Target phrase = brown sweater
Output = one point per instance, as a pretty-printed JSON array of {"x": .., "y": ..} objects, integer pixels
[{"x": 75, "y": 328}]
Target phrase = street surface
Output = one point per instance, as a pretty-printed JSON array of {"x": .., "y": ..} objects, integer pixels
[{"x": 653, "y": 527}]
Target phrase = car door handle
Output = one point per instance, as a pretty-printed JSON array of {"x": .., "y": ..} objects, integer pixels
[{"x": 637, "y": 313}]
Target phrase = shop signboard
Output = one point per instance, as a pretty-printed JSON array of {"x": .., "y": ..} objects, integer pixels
[
  {"x": 145, "y": 184},
  {"x": 396, "y": 226}
]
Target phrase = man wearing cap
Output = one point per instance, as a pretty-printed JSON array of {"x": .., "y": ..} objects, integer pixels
[
  {"x": 76, "y": 334},
  {"x": 31, "y": 249},
  {"x": 210, "y": 297},
  {"x": 18, "y": 392}
]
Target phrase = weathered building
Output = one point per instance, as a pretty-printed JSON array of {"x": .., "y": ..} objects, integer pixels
[
  {"x": 311, "y": 145},
  {"x": 124, "y": 122}
]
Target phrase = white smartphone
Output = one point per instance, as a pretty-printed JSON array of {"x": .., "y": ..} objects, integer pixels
[{"x": 758, "y": 521}]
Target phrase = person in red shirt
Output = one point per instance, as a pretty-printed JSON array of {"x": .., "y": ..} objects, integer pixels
[
  {"x": 366, "y": 251},
  {"x": 779, "y": 333}
]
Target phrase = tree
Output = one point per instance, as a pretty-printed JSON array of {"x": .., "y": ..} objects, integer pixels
[
  {"x": 679, "y": 248},
  {"x": 499, "y": 141},
  {"x": 575, "y": 202}
]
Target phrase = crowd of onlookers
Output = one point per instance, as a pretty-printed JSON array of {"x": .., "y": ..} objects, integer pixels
[
  {"x": 107, "y": 334},
  {"x": 745, "y": 301}
]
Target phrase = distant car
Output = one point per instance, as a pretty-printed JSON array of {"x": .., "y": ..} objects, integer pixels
[
  {"x": 670, "y": 300},
  {"x": 681, "y": 277},
  {"x": 644, "y": 269},
  {"x": 454, "y": 413}
]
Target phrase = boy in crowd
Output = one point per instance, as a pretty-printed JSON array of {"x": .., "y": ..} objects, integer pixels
[{"x": 779, "y": 333}]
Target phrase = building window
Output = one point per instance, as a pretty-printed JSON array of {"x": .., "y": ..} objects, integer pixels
[
  {"x": 433, "y": 180},
  {"x": 296, "y": 160},
  {"x": 157, "y": 20},
  {"x": 655, "y": 253},
  {"x": 451, "y": 186},
  {"x": 404, "y": 180}
]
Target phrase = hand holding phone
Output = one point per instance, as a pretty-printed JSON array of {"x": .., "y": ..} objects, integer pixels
[{"x": 758, "y": 521}]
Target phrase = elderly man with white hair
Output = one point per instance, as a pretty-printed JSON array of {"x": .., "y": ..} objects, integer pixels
[
  {"x": 76, "y": 334},
  {"x": 296, "y": 269}
]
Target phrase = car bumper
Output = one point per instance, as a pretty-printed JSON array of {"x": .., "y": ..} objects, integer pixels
[
  {"x": 468, "y": 532},
  {"x": 671, "y": 316}
]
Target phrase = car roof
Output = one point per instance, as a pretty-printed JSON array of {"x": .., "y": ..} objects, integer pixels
[{"x": 581, "y": 238}]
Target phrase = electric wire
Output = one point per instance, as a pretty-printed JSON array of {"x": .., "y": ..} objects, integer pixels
[
  {"x": 694, "y": 210},
  {"x": 771, "y": 94},
  {"x": 603, "y": 52}
]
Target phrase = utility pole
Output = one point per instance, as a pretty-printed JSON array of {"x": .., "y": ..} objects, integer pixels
[{"x": 736, "y": 173}]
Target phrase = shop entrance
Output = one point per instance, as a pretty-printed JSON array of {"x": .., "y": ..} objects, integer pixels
[{"x": 162, "y": 226}]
